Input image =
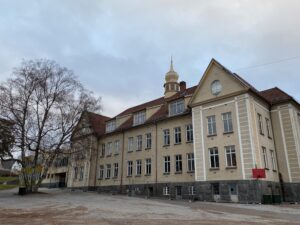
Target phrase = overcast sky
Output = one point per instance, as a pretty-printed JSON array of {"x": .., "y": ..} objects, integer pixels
[{"x": 121, "y": 49}]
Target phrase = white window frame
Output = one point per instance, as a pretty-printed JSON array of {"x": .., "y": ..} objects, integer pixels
[
  {"x": 227, "y": 122},
  {"x": 139, "y": 118},
  {"x": 166, "y": 190},
  {"x": 269, "y": 128},
  {"x": 138, "y": 167},
  {"x": 265, "y": 157},
  {"x": 148, "y": 169},
  {"x": 139, "y": 143},
  {"x": 117, "y": 147},
  {"x": 214, "y": 153},
  {"x": 176, "y": 107},
  {"x": 81, "y": 171},
  {"x": 129, "y": 168},
  {"x": 191, "y": 190},
  {"x": 211, "y": 125},
  {"x": 177, "y": 135},
  {"x": 101, "y": 172},
  {"x": 130, "y": 144},
  {"x": 189, "y": 133},
  {"x": 167, "y": 164},
  {"x": 116, "y": 169},
  {"x": 190, "y": 162},
  {"x": 110, "y": 126},
  {"x": 230, "y": 151},
  {"x": 178, "y": 163},
  {"x": 260, "y": 124},
  {"x": 273, "y": 159},
  {"x": 109, "y": 148},
  {"x": 166, "y": 133},
  {"x": 148, "y": 141},
  {"x": 108, "y": 171},
  {"x": 103, "y": 149}
]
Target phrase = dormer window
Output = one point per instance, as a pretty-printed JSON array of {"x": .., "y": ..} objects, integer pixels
[
  {"x": 110, "y": 126},
  {"x": 139, "y": 118},
  {"x": 176, "y": 107}
]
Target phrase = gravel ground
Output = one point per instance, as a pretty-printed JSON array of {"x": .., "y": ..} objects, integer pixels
[{"x": 54, "y": 206}]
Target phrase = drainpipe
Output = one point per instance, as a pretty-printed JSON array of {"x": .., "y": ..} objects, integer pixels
[{"x": 122, "y": 159}]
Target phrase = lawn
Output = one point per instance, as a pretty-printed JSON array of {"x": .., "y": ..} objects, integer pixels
[
  {"x": 3, "y": 179},
  {"x": 7, "y": 186}
]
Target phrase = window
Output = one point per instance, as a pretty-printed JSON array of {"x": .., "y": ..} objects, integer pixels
[
  {"x": 260, "y": 124},
  {"x": 148, "y": 141},
  {"x": 178, "y": 163},
  {"x": 265, "y": 157},
  {"x": 177, "y": 133},
  {"x": 176, "y": 107},
  {"x": 189, "y": 133},
  {"x": 233, "y": 189},
  {"x": 166, "y": 137},
  {"x": 75, "y": 172},
  {"x": 108, "y": 170},
  {"x": 230, "y": 156},
  {"x": 274, "y": 166},
  {"x": 139, "y": 142},
  {"x": 299, "y": 119},
  {"x": 116, "y": 170},
  {"x": 216, "y": 189},
  {"x": 129, "y": 168},
  {"x": 81, "y": 173},
  {"x": 191, "y": 190},
  {"x": 211, "y": 124},
  {"x": 269, "y": 129},
  {"x": 103, "y": 150},
  {"x": 166, "y": 190},
  {"x": 148, "y": 166},
  {"x": 138, "y": 167},
  {"x": 227, "y": 121},
  {"x": 117, "y": 147},
  {"x": 214, "y": 157},
  {"x": 130, "y": 144},
  {"x": 109, "y": 148},
  {"x": 139, "y": 118},
  {"x": 101, "y": 172},
  {"x": 110, "y": 126},
  {"x": 191, "y": 162},
  {"x": 167, "y": 163}
]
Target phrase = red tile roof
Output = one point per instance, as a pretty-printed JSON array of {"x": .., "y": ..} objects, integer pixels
[
  {"x": 97, "y": 122},
  {"x": 276, "y": 96}
]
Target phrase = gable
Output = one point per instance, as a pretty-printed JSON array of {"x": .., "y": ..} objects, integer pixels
[{"x": 229, "y": 84}]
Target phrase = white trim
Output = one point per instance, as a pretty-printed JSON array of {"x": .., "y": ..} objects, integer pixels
[
  {"x": 250, "y": 129},
  {"x": 194, "y": 145},
  {"x": 203, "y": 147},
  {"x": 294, "y": 129},
  {"x": 218, "y": 105},
  {"x": 284, "y": 146},
  {"x": 240, "y": 138},
  {"x": 257, "y": 136}
]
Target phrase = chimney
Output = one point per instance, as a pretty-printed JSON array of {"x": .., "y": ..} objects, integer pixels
[{"x": 182, "y": 85}]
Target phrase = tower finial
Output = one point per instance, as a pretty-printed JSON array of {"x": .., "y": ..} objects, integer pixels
[{"x": 171, "y": 66}]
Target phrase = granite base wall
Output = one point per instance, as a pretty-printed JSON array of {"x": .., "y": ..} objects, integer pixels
[{"x": 291, "y": 192}]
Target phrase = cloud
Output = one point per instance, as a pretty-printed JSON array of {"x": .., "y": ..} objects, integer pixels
[{"x": 121, "y": 49}]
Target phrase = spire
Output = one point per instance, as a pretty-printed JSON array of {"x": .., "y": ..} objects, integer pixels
[{"x": 171, "y": 66}]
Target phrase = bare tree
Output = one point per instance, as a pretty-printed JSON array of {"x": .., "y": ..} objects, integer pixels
[{"x": 45, "y": 102}]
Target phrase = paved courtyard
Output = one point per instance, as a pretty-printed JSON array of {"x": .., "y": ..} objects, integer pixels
[{"x": 54, "y": 206}]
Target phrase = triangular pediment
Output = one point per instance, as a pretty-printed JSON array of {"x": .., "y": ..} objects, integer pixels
[{"x": 228, "y": 84}]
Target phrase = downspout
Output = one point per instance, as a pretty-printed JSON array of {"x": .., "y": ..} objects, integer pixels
[
  {"x": 156, "y": 158},
  {"x": 122, "y": 159}
]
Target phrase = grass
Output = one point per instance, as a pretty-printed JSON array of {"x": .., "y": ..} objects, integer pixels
[
  {"x": 8, "y": 178},
  {"x": 7, "y": 186}
]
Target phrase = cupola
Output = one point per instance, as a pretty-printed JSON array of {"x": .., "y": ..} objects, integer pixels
[{"x": 171, "y": 82}]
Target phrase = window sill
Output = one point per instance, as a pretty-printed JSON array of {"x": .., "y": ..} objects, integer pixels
[
  {"x": 267, "y": 169},
  {"x": 262, "y": 134},
  {"x": 179, "y": 172},
  {"x": 129, "y": 151},
  {"x": 191, "y": 171},
  {"x": 275, "y": 171},
  {"x": 147, "y": 175},
  {"x": 230, "y": 167},
  {"x": 211, "y": 135},
  {"x": 108, "y": 155},
  {"x": 212, "y": 169},
  {"x": 129, "y": 176},
  {"x": 270, "y": 138},
  {"x": 166, "y": 146},
  {"x": 116, "y": 154},
  {"x": 189, "y": 142},
  {"x": 138, "y": 150},
  {"x": 166, "y": 174},
  {"x": 107, "y": 178},
  {"x": 100, "y": 178},
  {"x": 139, "y": 175},
  {"x": 177, "y": 143},
  {"x": 148, "y": 148},
  {"x": 229, "y": 132},
  {"x": 115, "y": 178}
]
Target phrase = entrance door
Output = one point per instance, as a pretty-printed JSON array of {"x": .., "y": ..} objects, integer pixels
[
  {"x": 62, "y": 180},
  {"x": 233, "y": 192},
  {"x": 178, "y": 192}
]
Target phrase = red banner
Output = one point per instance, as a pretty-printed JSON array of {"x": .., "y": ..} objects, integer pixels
[{"x": 259, "y": 173}]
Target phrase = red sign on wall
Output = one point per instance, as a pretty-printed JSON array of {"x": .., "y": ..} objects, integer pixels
[{"x": 259, "y": 173}]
